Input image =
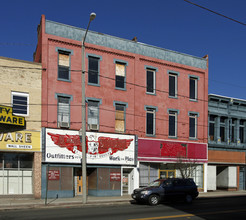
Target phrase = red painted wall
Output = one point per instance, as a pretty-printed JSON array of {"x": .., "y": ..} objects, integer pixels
[{"x": 159, "y": 150}]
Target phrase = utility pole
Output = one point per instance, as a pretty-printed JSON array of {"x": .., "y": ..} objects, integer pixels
[{"x": 83, "y": 126}]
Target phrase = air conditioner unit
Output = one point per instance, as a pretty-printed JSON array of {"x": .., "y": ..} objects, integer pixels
[
  {"x": 63, "y": 124},
  {"x": 93, "y": 127}
]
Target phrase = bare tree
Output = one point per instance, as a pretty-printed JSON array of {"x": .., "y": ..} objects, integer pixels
[{"x": 185, "y": 166}]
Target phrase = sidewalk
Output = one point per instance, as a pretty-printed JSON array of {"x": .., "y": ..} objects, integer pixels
[{"x": 27, "y": 203}]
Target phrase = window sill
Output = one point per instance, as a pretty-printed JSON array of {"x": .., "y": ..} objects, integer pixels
[
  {"x": 193, "y": 100},
  {"x": 64, "y": 80},
  {"x": 149, "y": 93},
  {"x": 173, "y": 97},
  {"x": 172, "y": 137},
  {"x": 122, "y": 89},
  {"x": 93, "y": 84},
  {"x": 150, "y": 135}
]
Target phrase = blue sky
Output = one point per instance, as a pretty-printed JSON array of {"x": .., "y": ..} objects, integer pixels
[{"x": 171, "y": 24}]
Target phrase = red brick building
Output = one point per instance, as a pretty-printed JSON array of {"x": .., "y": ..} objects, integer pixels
[{"x": 152, "y": 96}]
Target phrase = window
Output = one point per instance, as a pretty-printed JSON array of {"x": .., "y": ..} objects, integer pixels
[
  {"x": 16, "y": 175},
  {"x": 172, "y": 132},
  {"x": 212, "y": 127},
  {"x": 222, "y": 129},
  {"x": 120, "y": 118},
  {"x": 193, "y": 125},
  {"x": 150, "y": 121},
  {"x": 20, "y": 103},
  {"x": 241, "y": 131},
  {"x": 120, "y": 75},
  {"x": 93, "y": 70},
  {"x": 150, "y": 81},
  {"x": 172, "y": 85},
  {"x": 63, "y": 65},
  {"x": 93, "y": 114},
  {"x": 63, "y": 115},
  {"x": 232, "y": 125},
  {"x": 193, "y": 88}
]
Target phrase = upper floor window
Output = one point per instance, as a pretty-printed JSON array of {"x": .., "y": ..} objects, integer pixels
[
  {"x": 232, "y": 126},
  {"x": 120, "y": 74},
  {"x": 212, "y": 127},
  {"x": 150, "y": 80},
  {"x": 93, "y": 114},
  {"x": 193, "y": 125},
  {"x": 172, "y": 131},
  {"x": 242, "y": 131},
  {"x": 120, "y": 120},
  {"x": 63, "y": 65},
  {"x": 193, "y": 88},
  {"x": 93, "y": 70},
  {"x": 63, "y": 110},
  {"x": 223, "y": 129},
  {"x": 150, "y": 121},
  {"x": 173, "y": 87},
  {"x": 20, "y": 103}
]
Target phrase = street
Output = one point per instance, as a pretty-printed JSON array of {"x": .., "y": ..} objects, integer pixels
[{"x": 209, "y": 208}]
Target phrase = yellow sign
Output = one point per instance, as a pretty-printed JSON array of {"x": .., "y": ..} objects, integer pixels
[
  {"x": 7, "y": 117},
  {"x": 20, "y": 141}
]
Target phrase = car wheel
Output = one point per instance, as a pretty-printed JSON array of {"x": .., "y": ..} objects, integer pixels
[
  {"x": 188, "y": 198},
  {"x": 154, "y": 200}
]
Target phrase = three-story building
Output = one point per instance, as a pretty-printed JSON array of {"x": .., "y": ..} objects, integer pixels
[{"x": 146, "y": 111}]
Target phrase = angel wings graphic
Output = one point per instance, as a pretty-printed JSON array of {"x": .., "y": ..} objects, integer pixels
[{"x": 101, "y": 146}]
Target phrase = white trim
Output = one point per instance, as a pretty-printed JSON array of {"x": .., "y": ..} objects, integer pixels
[{"x": 23, "y": 94}]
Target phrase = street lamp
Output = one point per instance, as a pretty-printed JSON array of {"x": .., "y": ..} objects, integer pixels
[{"x": 83, "y": 126}]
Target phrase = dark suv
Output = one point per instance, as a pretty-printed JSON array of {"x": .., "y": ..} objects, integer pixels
[{"x": 165, "y": 189}]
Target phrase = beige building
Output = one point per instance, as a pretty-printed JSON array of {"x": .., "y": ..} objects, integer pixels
[{"x": 20, "y": 128}]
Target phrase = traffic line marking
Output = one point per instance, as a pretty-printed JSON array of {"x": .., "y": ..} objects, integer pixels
[{"x": 190, "y": 215}]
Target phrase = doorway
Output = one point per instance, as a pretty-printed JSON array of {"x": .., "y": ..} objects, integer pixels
[{"x": 127, "y": 181}]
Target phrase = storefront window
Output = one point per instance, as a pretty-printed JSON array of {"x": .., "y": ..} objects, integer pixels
[
  {"x": 10, "y": 160},
  {"x": 16, "y": 173},
  {"x": 25, "y": 160}
]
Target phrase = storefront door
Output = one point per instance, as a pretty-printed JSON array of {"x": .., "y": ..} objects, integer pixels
[
  {"x": 127, "y": 181},
  {"x": 79, "y": 182},
  {"x": 167, "y": 174}
]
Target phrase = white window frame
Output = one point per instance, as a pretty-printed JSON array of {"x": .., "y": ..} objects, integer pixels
[
  {"x": 195, "y": 116},
  {"x": 88, "y": 113},
  {"x": 176, "y": 84},
  {"x": 154, "y": 80},
  {"x": 150, "y": 111},
  {"x": 69, "y": 110},
  {"x": 196, "y": 82},
  {"x": 175, "y": 114},
  {"x": 23, "y": 94}
]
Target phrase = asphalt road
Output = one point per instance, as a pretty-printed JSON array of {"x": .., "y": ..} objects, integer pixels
[{"x": 209, "y": 208}]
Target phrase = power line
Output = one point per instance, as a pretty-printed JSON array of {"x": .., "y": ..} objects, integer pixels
[{"x": 232, "y": 19}]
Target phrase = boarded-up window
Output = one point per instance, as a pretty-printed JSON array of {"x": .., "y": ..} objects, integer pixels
[
  {"x": 120, "y": 72},
  {"x": 119, "y": 118},
  {"x": 63, "y": 65}
]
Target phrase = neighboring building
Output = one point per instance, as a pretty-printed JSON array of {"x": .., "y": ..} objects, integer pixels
[
  {"x": 145, "y": 96},
  {"x": 20, "y": 127},
  {"x": 226, "y": 143}
]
